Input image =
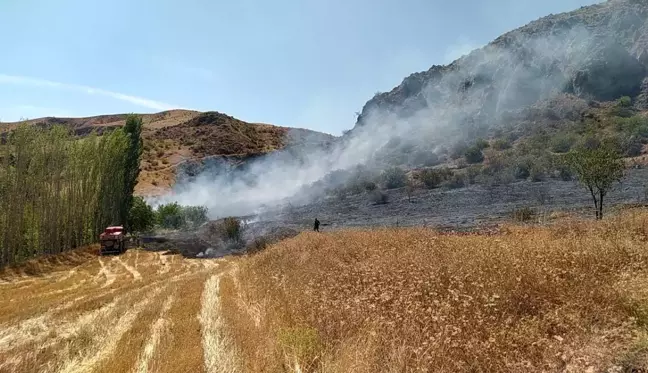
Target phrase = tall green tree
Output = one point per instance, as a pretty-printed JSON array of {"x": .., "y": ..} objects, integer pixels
[
  {"x": 133, "y": 130},
  {"x": 58, "y": 191},
  {"x": 597, "y": 168}
]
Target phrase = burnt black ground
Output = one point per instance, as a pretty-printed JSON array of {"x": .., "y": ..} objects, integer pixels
[
  {"x": 457, "y": 209},
  {"x": 463, "y": 208}
]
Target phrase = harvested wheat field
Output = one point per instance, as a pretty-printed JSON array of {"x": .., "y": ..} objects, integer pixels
[
  {"x": 137, "y": 312},
  {"x": 566, "y": 298}
]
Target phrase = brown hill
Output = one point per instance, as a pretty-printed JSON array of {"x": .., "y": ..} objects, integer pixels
[{"x": 177, "y": 136}]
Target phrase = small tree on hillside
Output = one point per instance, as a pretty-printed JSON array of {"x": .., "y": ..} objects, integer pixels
[
  {"x": 409, "y": 190},
  {"x": 597, "y": 169}
]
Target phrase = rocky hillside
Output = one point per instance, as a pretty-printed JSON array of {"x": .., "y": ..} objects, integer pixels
[
  {"x": 173, "y": 138},
  {"x": 595, "y": 53}
]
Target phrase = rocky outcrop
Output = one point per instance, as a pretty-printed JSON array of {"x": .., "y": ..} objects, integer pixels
[{"x": 598, "y": 52}]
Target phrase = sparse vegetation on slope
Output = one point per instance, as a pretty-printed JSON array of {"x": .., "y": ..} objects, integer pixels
[{"x": 570, "y": 296}]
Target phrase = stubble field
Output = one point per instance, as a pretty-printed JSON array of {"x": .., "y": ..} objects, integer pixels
[{"x": 137, "y": 312}]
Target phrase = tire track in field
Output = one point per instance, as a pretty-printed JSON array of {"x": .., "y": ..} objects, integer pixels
[
  {"x": 98, "y": 303},
  {"x": 39, "y": 327},
  {"x": 135, "y": 273},
  {"x": 158, "y": 327},
  {"x": 105, "y": 272},
  {"x": 104, "y": 345},
  {"x": 164, "y": 263},
  {"x": 219, "y": 355}
]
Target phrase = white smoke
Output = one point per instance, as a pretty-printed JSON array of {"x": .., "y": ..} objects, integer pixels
[{"x": 495, "y": 79}]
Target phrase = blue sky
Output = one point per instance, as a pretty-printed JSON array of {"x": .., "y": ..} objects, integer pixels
[{"x": 299, "y": 63}]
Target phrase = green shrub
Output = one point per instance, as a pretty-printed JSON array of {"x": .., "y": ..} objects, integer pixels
[
  {"x": 522, "y": 170},
  {"x": 194, "y": 215},
  {"x": 231, "y": 229},
  {"x": 258, "y": 244},
  {"x": 539, "y": 141},
  {"x": 170, "y": 216},
  {"x": 641, "y": 132},
  {"x": 474, "y": 155},
  {"x": 634, "y": 126},
  {"x": 501, "y": 144},
  {"x": 370, "y": 186},
  {"x": 394, "y": 177},
  {"x": 175, "y": 216},
  {"x": 562, "y": 143},
  {"x": 432, "y": 178},
  {"x": 503, "y": 177},
  {"x": 481, "y": 144},
  {"x": 141, "y": 217},
  {"x": 624, "y": 101}
]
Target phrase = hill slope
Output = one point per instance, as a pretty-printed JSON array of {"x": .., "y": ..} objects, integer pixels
[
  {"x": 598, "y": 53},
  {"x": 174, "y": 137}
]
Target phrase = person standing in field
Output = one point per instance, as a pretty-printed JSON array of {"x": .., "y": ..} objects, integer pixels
[{"x": 316, "y": 225}]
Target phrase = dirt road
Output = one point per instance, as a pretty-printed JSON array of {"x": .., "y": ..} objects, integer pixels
[{"x": 137, "y": 312}]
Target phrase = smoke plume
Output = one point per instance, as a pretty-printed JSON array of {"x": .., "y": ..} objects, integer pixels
[{"x": 429, "y": 111}]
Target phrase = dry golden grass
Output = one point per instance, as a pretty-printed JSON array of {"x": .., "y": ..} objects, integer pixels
[
  {"x": 78, "y": 312},
  {"x": 571, "y": 297}
]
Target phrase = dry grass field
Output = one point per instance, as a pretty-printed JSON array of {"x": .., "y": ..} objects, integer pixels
[
  {"x": 572, "y": 297},
  {"x": 569, "y": 297},
  {"x": 138, "y": 312}
]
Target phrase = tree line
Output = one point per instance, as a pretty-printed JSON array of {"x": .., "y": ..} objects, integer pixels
[
  {"x": 144, "y": 218},
  {"x": 59, "y": 191}
]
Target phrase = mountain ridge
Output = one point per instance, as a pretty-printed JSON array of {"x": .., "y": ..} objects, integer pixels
[{"x": 597, "y": 52}]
